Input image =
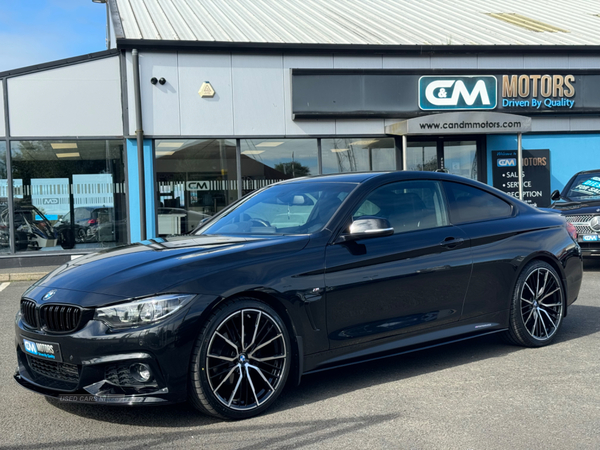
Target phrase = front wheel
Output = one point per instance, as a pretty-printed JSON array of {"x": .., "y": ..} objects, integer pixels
[
  {"x": 241, "y": 360},
  {"x": 537, "y": 306}
]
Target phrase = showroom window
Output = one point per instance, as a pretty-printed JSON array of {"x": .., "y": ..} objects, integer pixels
[
  {"x": 268, "y": 161},
  {"x": 358, "y": 155},
  {"x": 4, "y": 219},
  {"x": 195, "y": 179},
  {"x": 68, "y": 194}
]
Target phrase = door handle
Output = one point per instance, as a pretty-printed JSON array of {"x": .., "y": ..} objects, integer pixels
[{"x": 452, "y": 242}]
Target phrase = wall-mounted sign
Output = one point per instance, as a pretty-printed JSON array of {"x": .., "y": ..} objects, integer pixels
[
  {"x": 382, "y": 93},
  {"x": 197, "y": 186},
  {"x": 536, "y": 175},
  {"x": 206, "y": 90},
  {"x": 456, "y": 93},
  {"x": 461, "y": 122}
]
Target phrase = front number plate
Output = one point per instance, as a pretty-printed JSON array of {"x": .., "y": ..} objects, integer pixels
[
  {"x": 590, "y": 238},
  {"x": 44, "y": 350}
]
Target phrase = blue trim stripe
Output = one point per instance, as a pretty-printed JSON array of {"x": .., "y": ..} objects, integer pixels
[
  {"x": 133, "y": 181},
  {"x": 149, "y": 182}
]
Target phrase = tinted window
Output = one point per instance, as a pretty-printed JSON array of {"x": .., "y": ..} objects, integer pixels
[
  {"x": 469, "y": 204},
  {"x": 408, "y": 205},
  {"x": 295, "y": 208}
]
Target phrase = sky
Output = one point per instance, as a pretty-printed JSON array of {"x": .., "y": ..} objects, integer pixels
[{"x": 37, "y": 31}]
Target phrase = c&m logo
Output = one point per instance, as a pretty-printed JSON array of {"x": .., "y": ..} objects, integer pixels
[
  {"x": 507, "y": 162},
  {"x": 455, "y": 93}
]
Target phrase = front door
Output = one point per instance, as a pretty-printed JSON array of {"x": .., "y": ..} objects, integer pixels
[
  {"x": 412, "y": 280},
  {"x": 455, "y": 155}
]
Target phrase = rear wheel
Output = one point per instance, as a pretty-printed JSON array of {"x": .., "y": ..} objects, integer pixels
[
  {"x": 537, "y": 307},
  {"x": 241, "y": 360}
]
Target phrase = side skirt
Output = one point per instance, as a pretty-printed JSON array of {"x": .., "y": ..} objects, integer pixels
[{"x": 399, "y": 345}]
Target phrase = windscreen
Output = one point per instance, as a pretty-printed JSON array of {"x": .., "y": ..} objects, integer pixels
[
  {"x": 289, "y": 208},
  {"x": 585, "y": 187}
]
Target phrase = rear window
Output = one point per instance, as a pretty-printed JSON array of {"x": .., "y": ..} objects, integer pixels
[{"x": 470, "y": 204}]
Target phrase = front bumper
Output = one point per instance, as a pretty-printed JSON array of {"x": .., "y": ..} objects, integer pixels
[
  {"x": 94, "y": 364},
  {"x": 589, "y": 249}
]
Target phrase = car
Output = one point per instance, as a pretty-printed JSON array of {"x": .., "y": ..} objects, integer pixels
[
  {"x": 32, "y": 229},
  {"x": 81, "y": 230},
  {"x": 298, "y": 277},
  {"x": 579, "y": 203}
]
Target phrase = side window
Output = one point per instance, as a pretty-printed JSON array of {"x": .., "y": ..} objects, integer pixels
[
  {"x": 408, "y": 205},
  {"x": 470, "y": 204}
]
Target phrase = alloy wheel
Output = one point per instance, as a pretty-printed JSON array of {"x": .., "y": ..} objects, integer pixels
[
  {"x": 246, "y": 358},
  {"x": 541, "y": 303}
]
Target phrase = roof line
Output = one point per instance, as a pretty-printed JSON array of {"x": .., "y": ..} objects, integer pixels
[
  {"x": 116, "y": 19},
  {"x": 260, "y": 47},
  {"x": 60, "y": 63}
]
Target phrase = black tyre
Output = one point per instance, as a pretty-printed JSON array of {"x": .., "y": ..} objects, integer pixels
[
  {"x": 80, "y": 235},
  {"x": 537, "y": 306},
  {"x": 241, "y": 360}
]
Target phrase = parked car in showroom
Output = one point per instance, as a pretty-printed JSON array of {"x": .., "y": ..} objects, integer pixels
[
  {"x": 300, "y": 276},
  {"x": 91, "y": 224},
  {"x": 33, "y": 231},
  {"x": 579, "y": 203}
]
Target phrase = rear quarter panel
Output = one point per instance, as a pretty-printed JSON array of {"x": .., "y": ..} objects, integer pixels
[{"x": 502, "y": 248}]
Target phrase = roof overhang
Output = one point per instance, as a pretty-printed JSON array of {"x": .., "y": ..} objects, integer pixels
[{"x": 461, "y": 122}]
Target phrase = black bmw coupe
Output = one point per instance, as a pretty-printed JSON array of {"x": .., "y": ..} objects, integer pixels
[{"x": 298, "y": 277}]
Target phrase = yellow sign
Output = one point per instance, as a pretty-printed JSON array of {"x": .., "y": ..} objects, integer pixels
[{"x": 206, "y": 90}]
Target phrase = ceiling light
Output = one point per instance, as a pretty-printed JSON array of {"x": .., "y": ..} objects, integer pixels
[
  {"x": 167, "y": 144},
  {"x": 164, "y": 152},
  {"x": 68, "y": 155},
  {"x": 252, "y": 152},
  {"x": 269, "y": 144},
  {"x": 63, "y": 145},
  {"x": 338, "y": 150},
  {"x": 365, "y": 143}
]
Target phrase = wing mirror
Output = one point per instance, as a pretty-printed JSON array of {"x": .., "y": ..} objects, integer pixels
[
  {"x": 367, "y": 227},
  {"x": 555, "y": 196}
]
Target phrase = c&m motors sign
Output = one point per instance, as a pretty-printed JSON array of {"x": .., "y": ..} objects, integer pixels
[{"x": 457, "y": 93}]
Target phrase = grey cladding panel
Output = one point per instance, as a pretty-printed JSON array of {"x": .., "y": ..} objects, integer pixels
[
  {"x": 553, "y": 124},
  {"x": 160, "y": 103},
  {"x": 454, "y": 62},
  {"x": 500, "y": 62},
  {"x": 406, "y": 62},
  {"x": 258, "y": 106},
  {"x": 585, "y": 123},
  {"x": 208, "y": 115},
  {"x": 358, "y": 62},
  {"x": 544, "y": 62},
  {"x": 79, "y": 100}
]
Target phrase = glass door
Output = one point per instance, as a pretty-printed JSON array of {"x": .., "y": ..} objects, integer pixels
[
  {"x": 422, "y": 155},
  {"x": 460, "y": 158},
  {"x": 451, "y": 154}
]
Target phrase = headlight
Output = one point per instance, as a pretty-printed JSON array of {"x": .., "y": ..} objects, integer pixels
[{"x": 143, "y": 311}]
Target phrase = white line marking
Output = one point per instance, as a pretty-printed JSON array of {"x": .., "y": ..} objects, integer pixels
[{"x": 4, "y": 286}]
